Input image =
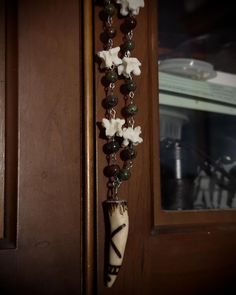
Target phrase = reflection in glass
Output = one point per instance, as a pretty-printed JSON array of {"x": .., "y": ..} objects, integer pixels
[
  {"x": 197, "y": 95},
  {"x": 203, "y": 30},
  {"x": 198, "y": 159}
]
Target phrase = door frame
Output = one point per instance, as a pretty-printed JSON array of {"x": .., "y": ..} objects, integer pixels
[{"x": 89, "y": 218}]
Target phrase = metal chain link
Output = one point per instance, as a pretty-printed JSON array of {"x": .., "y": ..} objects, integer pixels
[
  {"x": 127, "y": 53},
  {"x": 131, "y": 95},
  {"x": 117, "y": 184},
  {"x": 112, "y": 85},
  {"x": 131, "y": 122},
  {"x": 112, "y": 113},
  {"x": 130, "y": 35},
  {"x": 109, "y": 43}
]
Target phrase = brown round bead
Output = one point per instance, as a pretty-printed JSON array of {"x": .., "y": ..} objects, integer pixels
[
  {"x": 130, "y": 23},
  {"x": 111, "y": 170},
  {"x": 128, "y": 154},
  {"x": 111, "y": 32}
]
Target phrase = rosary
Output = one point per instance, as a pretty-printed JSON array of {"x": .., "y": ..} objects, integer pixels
[{"x": 121, "y": 134}]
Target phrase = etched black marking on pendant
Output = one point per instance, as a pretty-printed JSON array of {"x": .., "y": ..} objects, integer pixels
[
  {"x": 118, "y": 229},
  {"x": 113, "y": 269},
  {"x": 114, "y": 205}
]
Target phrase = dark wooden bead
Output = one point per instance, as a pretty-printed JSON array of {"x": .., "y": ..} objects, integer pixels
[
  {"x": 128, "y": 154},
  {"x": 124, "y": 174},
  {"x": 111, "y": 147},
  {"x": 128, "y": 45},
  {"x": 130, "y": 23},
  {"x": 110, "y": 101},
  {"x": 109, "y": 9},
  {"x": 111, "y": 170},
  {"x": 130, "y": 109},
  {"x": 111, "y": 32},
  {"x": 111, "y": 77},
  {"x": 130, "y": 85}
]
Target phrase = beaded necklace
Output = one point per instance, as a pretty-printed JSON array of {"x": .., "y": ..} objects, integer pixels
[{"x": 120, "y": 133}]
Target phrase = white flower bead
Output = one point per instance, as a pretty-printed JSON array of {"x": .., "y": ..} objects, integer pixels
[
  {"x": 130, "y": 65},
  {"x": 124, "y": 7},
  {"x": 131, "y": 135},
  {"x": 132, "y": 6},
  {"x": 110, "y": 57},
  {"x": 113, "y": 126}
]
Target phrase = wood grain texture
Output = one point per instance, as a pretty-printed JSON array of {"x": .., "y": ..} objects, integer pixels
[
  {"x": 89, "y": 148},
  {"x": 9, "y": 118},
  {"x": 185, "y": 262},
  {"x": 2, "y": 114},
  {"x": 11, "y": 130},
  {"x": 48, "y": 255}
]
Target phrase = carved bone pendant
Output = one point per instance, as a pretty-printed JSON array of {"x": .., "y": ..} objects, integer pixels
[{"x": 117, "y": 211}]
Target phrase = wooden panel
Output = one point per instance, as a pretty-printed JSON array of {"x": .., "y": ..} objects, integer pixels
[
  {"x": 9, "y": 135},
  {"x": 47, "y": 259},
  {"x": 50, "y": 154},
  {"x": 2, "y": 114},
  {"x": 11, "y": 158},
  {"x": 89, "y": 157}
]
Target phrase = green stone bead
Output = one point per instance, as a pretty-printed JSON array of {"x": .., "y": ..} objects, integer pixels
[
  {"x": 124, "y": 174},
  {"x": 128, "y": 45},
  {"x": 111, "y": 147},
  {"x": 130, "y": 109},
  {"x": 130, "y": 86},
  {"x": 128, "y": 154},
  {"x": 111, "y": 77},
  {"x": 109, "y": 9},
  {"x": 110, "y": 101}
]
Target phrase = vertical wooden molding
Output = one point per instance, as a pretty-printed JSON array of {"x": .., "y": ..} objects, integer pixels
[
  {"x": 11, "y": 130},
  {"x": 8, "y": 121},
  {"x": 89, "y": 214},
  {"x": 154, "y": 110},
  {"x": 2, "y": 113}
]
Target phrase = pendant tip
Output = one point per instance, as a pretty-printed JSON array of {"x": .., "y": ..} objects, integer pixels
[
  {"x": 110, "y": 280},
  {"x": 117, "y": 237}
]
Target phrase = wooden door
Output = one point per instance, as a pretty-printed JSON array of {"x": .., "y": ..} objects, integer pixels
[
  {"x": 166, "y": 253},
  {"x": 41, "y": 155}
]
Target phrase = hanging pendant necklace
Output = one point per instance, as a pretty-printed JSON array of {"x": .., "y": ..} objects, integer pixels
[{"x": 121, "y": 134}]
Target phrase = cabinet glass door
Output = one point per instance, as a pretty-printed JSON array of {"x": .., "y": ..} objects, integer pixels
[{"x": 197, "y": 104}]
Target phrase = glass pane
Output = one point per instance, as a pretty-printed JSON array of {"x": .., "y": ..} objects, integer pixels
[{"x": 197, "y": 96}]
